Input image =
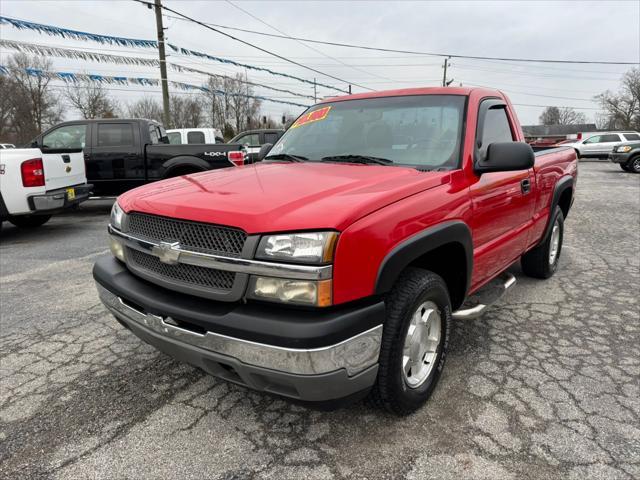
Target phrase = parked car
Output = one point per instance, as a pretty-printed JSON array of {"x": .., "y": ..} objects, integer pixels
[
  {"x": 182, "y": 136},
  {"x": 121, "y": 154},
  {"x": 7, "y": 145},
  {"x": 334, "y": 267},
  {"x": 627, "y": 155},
  {"x": 35, "y": 184},
  {"x": 252, "y": 140},
  {"x": 601, "y": 144}
]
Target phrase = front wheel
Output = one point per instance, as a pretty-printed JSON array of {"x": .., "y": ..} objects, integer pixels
[
  {"x": 542, "y": 261},
  {"x": 29, "y": 221},
  {"x": 624, "y": 167},
  {"x": 634, "y": 164},
  {"x": 414, "y": 341}
]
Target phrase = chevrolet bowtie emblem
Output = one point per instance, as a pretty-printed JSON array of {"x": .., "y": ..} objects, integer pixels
[{"x": 167, "y": 252}]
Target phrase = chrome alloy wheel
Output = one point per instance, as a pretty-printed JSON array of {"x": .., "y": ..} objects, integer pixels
[
  {"x": 635, "y": 166},
  {"x": 421, "y": 344},
  {"x": 555, "y": 243}
]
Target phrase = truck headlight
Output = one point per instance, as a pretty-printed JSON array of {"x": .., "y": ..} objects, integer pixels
[
  {"x": 307, "y": 247},
  {"x": 301, "y": 292},
  {"x": 117, "y": 215},
  {"x": 623, "y": 149}
]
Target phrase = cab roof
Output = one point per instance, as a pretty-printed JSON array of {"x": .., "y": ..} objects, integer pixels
[{"x": 464, "y": 91}]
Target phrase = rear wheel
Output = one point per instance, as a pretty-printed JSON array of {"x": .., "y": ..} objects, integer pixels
[
  {"x": 542, "y": 261},
  {"x": 29, "y": 221},
  {"x": 414, "y": 341}
]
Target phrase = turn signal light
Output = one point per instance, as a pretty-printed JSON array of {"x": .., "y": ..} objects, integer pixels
[
  {"x": 32, "y": 173},
  {"x": 237, "y": 158}
]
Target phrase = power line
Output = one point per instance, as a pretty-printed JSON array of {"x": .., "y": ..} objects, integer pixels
[
  {"x": 256, "y": 46},
  {"x": 304, "y": 44},
  {"x": 411, "y": 52}
]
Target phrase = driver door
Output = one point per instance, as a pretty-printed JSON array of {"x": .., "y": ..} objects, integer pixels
[{"x": 502, "y": 202}]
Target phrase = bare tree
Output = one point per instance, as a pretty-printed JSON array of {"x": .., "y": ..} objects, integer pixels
[
  {"x": 91, "y": 100},
  {"x": 147, "y": 108},
  {"x": 186, "y": 112},
  {"x": 622, "y": 108},
  {"x": 550, "y": 116},
  {"x": 561, "y": 116},
  {"x": 9, "y": 91},
  {"x": 35, "y": 105}
]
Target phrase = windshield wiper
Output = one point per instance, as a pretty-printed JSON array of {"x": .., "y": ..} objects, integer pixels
[
  {"x": 358, "y": 159},
  {"x": 286, "y": 156}
]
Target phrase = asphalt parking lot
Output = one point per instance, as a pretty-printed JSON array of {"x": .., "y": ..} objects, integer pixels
[{"x": 544, "y": 385}]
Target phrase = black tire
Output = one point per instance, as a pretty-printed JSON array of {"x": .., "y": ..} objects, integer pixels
[
  {"x": 536, "y": 262},
  {"x": 391, "y": 390},
  {"x": 29, "y": 221},
  {"x": 624, "y": 167},
  {"x": 577, "y": 154},
  {"x": 633, "y": 164}
]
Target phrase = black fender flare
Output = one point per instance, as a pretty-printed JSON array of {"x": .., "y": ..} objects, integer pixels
[
  {"x": 185, "y": 161},
  {"x": 562, "y": 185},
  {"x": 403, "y": 254}
]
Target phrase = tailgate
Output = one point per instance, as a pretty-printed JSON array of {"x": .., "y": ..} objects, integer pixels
[{"x": 63, "y": 169}]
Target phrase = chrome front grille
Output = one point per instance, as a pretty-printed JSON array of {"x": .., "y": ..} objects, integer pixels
[
  {"x": 182, "y": 273},
  {"x": 199, "y": 237}
]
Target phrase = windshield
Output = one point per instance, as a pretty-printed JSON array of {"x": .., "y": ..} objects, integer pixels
[{"x": 421, "y": 131}]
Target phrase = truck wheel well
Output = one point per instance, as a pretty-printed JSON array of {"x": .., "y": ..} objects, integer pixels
[
  {"x": 449, "y": 262},
  {"x": 181, "y": 170},
  {"x": 565, "y": 201}
]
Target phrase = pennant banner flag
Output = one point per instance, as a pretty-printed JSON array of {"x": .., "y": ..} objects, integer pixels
[
  {"x": 78, "y": 35},
  {"x": 71, "y": 53},
  {"x": 46, "y": 51},
  {"x": 70, "y": 78},
  {"x": 132, "y": 42}
]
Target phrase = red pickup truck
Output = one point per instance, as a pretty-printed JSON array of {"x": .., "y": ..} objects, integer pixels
[{"x": 335, "y": 267}]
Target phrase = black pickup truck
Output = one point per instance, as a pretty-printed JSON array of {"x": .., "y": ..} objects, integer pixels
[{"x": 121, "y": 154}]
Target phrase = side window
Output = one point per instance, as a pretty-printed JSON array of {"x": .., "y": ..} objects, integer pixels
[
  {"x": 496, "y": 129},
  {"x": 271, "y": 137},
  {"x": 153, "y": 133},
  {"x": 115, "y": 134},
  {"x": 612, "y": 137},
  {"x": 252, "y": 139},
  {"x": 631, "y": 136},
  {"x": 69, "y": 136},
  {"x": 174, "y": 138},
  {"x": 594, "y": 139},
  {"x": 195, "y": 137}
]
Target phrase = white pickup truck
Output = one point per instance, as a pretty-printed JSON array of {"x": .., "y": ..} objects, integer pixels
[{"x": 34, "y": 184}]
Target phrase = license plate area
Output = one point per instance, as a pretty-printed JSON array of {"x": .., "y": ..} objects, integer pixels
[{"x": 71, "y": 194}]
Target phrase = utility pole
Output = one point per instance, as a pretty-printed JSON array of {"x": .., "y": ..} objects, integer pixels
[
  {"x": 444, "y": 75},
  {"x": 163, "y": 64},
  {"x": 315, "y": 92}
]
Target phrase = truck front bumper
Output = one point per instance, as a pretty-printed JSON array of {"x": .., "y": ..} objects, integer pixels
[
  {"x": 311, "y": 356},
  {"x": 55, "y": 200}
]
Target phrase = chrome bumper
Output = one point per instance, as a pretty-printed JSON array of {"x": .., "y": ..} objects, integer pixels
[{"x": 354, "y": 355}]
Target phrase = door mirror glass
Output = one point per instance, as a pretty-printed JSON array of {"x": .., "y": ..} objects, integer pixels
[
  {"x": 506, "y": 157},
  {"x": 264, "y": 150}
]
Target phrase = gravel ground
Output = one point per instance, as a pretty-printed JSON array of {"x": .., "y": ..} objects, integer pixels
[{"x": 545, "y": 385}]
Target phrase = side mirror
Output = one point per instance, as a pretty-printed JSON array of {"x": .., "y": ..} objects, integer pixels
[
  {"x": 506, "y": 157},
  {"x": 264, "y": 150}
]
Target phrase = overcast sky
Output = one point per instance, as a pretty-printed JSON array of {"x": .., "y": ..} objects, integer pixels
[{"x": 559, "y": 30}]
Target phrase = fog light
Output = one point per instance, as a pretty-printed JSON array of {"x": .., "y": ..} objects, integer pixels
[
  {"x": 117, "y": 249},
  {"x": 302, "y": 292}
]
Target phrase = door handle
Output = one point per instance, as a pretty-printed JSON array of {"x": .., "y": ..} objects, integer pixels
[{"x": 525, "y": 186}]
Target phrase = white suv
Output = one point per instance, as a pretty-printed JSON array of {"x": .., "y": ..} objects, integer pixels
[{"x": 600, "y": 144}]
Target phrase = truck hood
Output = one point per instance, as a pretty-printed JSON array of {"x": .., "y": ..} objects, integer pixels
[{"x": 272, "y": 197}]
